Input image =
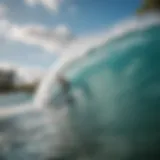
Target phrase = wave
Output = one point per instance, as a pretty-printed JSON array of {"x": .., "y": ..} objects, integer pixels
[
  {"x": 96, "y": 44},
  {"x": 38, "y": 132}
]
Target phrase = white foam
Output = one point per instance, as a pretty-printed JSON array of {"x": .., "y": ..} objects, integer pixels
[{"x": 6, "y": 112}]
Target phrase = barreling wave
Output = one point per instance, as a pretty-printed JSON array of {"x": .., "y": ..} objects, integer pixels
[
  {"x": 34, "y": 132},
  {"x": 119, "y": 37}
]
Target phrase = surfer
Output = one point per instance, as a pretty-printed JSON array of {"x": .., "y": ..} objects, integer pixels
[
  {"x": 66, "y": 87},
  {"x": 64, "y": 83}
]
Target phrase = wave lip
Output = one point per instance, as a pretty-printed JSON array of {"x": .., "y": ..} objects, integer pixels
[{"x": 72, "y": 56}]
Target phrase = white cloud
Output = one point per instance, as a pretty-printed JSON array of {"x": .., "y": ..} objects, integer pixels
[
  {"x": 61, "y": 40},
  {"x": 52, "y": 5},
  {"x": 53, "y": 40}
]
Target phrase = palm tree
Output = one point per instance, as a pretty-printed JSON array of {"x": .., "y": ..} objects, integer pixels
[
  {"x": 149, "y": 5},
  {"x": 7, "y": 78}
]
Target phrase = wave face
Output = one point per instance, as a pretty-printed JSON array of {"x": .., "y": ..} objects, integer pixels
[{"x": 121, "y": 120}]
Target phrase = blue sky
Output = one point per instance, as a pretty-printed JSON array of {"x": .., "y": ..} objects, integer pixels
[{"x": 35, "y": 31}]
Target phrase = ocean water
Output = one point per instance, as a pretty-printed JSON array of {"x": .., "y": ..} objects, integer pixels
[
  {"x": 117, "y": 119},
  {"x": 7, "y": 100}
]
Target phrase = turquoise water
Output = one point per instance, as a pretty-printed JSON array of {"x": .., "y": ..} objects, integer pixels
[
  {"x": 125, "y": 107},
  {"x": 119, "y": 120}
]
